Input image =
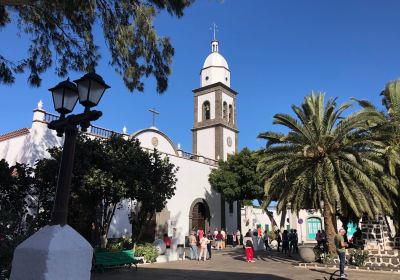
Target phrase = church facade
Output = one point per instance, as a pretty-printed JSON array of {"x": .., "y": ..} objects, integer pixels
[{"x": 215, "y": 136}]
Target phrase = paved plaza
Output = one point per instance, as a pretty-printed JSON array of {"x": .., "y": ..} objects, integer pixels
[{"x": 230, "y": 265}]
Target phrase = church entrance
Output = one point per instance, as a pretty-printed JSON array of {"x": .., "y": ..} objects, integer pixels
[{"x": 199, "y": 216}]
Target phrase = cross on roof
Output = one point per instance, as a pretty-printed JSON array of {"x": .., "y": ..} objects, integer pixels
[
  {"x": 154, "y": 112},
  {"x": 214, "y": 27}
]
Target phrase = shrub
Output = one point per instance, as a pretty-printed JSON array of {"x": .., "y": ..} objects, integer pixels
[
  {"x": 148, "y": 251},
  {"x": 122, "y": 243},
  {"x": 358, "y": 257},
  {"x": 322, "y": 255}
]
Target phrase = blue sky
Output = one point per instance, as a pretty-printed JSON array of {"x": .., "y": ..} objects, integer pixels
[{"x": 277, "y": 51}]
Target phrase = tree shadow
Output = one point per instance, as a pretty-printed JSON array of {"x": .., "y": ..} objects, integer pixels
[
  {"x": 176, "y": 274},
  {"x": 330, "y": 275},
  {"x": 268, "y": 256}
]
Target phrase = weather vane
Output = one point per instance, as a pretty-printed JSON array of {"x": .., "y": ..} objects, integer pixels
[
  {"x": 154, "y": 112},
  {"x": 214, "y": 28}
]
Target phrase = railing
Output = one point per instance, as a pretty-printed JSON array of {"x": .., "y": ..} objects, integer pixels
[
  {"x": 50, "y": 117},
  {"x": 202, "y": 159},
  {"x": 95, "y": 130},
  {"x": 102, "y": 132}
]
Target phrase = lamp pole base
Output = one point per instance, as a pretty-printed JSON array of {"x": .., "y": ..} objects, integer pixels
[{"x": 54, "y": 252}]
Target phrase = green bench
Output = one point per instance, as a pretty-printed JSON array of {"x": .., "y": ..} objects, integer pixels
[{"x": 109, "y": 259}]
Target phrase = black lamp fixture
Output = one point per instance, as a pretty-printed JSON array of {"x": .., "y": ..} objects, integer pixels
[
  {"x": 65, "y": 96},
  {"x": 91, "y": 88}
]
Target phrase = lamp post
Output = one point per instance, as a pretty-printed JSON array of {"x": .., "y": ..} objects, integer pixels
[
  {"x": 57, "y": 251},
  {"x": 89, "y": 89}
]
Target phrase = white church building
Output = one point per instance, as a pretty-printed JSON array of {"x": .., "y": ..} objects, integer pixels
[{"x": 215, "y": 136}]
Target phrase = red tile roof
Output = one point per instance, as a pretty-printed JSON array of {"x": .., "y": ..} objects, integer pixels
[{"x": 13, "y": 134}]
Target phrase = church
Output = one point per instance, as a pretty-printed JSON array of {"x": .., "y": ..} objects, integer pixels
[{"x": 214, "y": 136}]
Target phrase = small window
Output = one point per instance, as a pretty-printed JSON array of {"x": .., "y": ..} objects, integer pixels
[
  {"x": 226, "y": 78},
  {"x": 206, "y": 78},
  {"x": 231, "y": 207}
]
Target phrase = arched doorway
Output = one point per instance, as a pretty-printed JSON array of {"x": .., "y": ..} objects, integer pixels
[{"x": 199, "y": 215}]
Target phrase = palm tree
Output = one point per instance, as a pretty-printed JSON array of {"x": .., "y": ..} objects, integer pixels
[
  {"x": 326, "y": 161},
  {"x": 389, "y": 133}
]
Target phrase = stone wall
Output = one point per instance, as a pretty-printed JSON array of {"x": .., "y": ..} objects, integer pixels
[
  {"x": 375, "y": 234},
  {"x": 383, "y": 261}
]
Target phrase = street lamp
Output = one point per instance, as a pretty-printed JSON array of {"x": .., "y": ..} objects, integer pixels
[
  {"x": 89, "y": 89},
  {"x": 65, "y": 96},
  {"x": 57, "y": 251}
]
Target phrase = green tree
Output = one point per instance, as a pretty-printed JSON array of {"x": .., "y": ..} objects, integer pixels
[
  {"x": 62, "y": 35},
  {"x": 152, "y": 189},
  {"x": 16, "y": 184},
  {"x": 327, "y": 161},
  {"x": 105, "y": 172},
  {"x": 237, "y": 179},
  {"x": 388, "y": 133}
]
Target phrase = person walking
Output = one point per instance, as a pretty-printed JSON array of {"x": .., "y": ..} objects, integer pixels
[
  {"x": 291, "y": 242},
  {"x": 285, "y": 242},
  {"x": 209, "y": 237},
  {"x": 234, "y": 239},
  {"x": 218, "y": 240},
  {"x": 193, "y": 246},
  {"x": 295, "y": 242},
  {"x": 223, "y": 241},
  {"x": 318, "y": 237},
  {"x": 323, "y": 240},
  {"x": 248, "y": 244},
  {"x": 238, "y": 237},
  {"x": 203, "y": 248},
  {"x": 266, "y": 239},
  {"x": 341, "y": 250},
  {"x": 278, "y": 238}
]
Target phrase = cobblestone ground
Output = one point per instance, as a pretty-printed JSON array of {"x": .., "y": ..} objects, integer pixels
[{"x": 230, "y": 264}]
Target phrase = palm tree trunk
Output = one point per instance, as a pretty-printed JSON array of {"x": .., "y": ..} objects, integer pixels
[
  {"x": 330, "y": 228},
  {"x": 283, "y": 219}
]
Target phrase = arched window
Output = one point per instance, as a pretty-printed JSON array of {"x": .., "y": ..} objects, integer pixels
[
  {"x": 206, "y": 110},
  {"x": 313, "y": 225},
  {"x": 230, "y": 114},
  {"x": 225, "y": 111}
]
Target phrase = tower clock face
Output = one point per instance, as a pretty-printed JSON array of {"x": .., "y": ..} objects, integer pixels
[{"x": 229, "y": 141}]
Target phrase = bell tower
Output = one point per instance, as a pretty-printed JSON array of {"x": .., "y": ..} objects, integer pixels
[{"x": 215, "y": 133}]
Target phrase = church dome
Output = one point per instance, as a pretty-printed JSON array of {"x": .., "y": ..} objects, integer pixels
[
  {"x": 215, "y": 68},
  {"x": 215, "y": 59}
]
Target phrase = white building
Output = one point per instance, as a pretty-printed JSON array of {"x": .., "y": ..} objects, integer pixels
[{"x": 215, "y": 135}]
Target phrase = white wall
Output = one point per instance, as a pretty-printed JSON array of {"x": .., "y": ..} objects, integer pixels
[
  {"x": 192, "y": 184},
  {"x": 215, "y": 75},
  {"x": 30, "y": 147},
  {"x": 200, "y": 100},
  {"x": 164, "y": 145},
  {"x": 228, "y": 150},
  {"x": 206, "y": 142},
  {"x": 11, "y": 150}
]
